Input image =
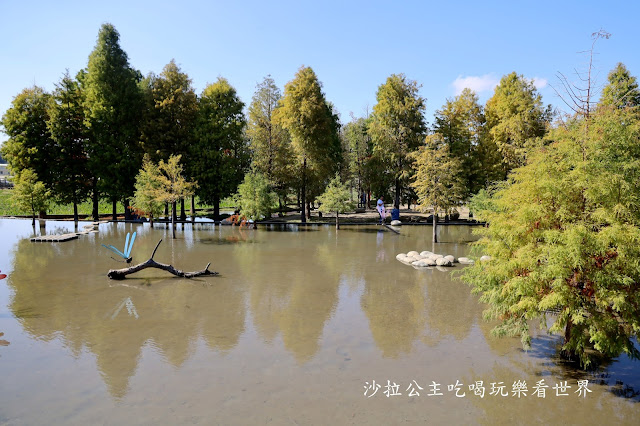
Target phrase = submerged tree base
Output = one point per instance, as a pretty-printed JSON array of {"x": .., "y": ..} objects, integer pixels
[{"x": 120, "y": 274}]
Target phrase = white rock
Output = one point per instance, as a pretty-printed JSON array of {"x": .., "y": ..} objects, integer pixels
[
  {"x": 399, "y": 255},
  {"x": 451, "y": 259},
  {"x": 413, "y": 253},
  {"x": 437, "y": 256},
  {"x": 423, "y": 263},
  {"x": 485, "y": 258},
  {"x": 466, "y": 261},
  {"x": 443, "y": 262},
  {"x": 396, "y": 223},
  {"x": 426, "y": 253}
]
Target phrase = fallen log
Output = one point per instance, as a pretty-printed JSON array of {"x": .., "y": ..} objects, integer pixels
[{"x": 120, "y": 274}]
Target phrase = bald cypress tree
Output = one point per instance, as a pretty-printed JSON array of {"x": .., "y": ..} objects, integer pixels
[
  {"x": 515, "y": 115},
  {"x": 220, "y": 154},
  {"x": 563, "y": 239},
  {"x": 398, "y": 127},
  {"x": 66, "y": 124},
  {"x": 310, "y": 120},
  {"x": 113, "y": 105},
  {"x": 621, "y": 89}
]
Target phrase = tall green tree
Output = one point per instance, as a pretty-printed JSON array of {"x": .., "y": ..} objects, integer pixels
[
  {"x": 621, "y": 89},
  {"x": 272, "y": 153},
  {"x": 220, "y": 155},
  {"x": 438, "y": 179},
  {"x": 113, "y": 106},
  {"x": 398, "y": 127},
  {"x": 563, "y": 238},
  {"x": 30, "y": 194},
  {"x": 461, "y": 124},
  {"x": 29, "y": 145},
  {"x": 515, "y": 116},
  {"x": 170, "y": 113},
  {"x": 313, "y": 127},
  {"x": 70, "y": 164},
  {"x": 358, "y": 152}
]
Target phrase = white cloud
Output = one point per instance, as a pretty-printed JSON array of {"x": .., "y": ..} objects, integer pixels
[
  {"x": 540, "y": 82},
  {"x": 477, "y": 84}
]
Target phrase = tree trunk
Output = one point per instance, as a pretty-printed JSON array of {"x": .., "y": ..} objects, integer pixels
[
  {"x": 127, "y": 210},
  {"x": 166, "y": 210},
  {"x": 309, "y": 210},
  {"x": 193, "y": 208},
  {"x": 216, "y": 207},
  {"x": 174, "y": 212},
  {"x": 435, "y": 224},
  {"x": 396, "y": 202},
  {"x": 96, "y": 198},
  {"x": 183, "y": 215},
  {"x": 115, "y": 209},
  {"x": 568, "y": 354},
  {"x": 337, "y": 223},
  {"x": 33, "y": 220},
  {"x": 75, "y": 212},
  {"x": 151, "y": 219},
  {"x": 173, "y": 219},
  {"x": 303, "y": 200}
]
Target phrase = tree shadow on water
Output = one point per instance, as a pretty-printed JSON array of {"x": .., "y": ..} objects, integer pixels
[{"x": 621, "y": 375}]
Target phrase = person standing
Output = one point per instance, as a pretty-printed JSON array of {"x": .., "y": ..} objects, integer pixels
[{"x": 381, "y": 211}]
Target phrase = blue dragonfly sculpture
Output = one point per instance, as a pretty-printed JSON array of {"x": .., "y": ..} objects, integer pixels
[{"x": 128, "y": 245}]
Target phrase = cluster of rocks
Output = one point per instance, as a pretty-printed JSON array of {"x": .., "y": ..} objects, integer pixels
[{"x": 426, "y": 259}]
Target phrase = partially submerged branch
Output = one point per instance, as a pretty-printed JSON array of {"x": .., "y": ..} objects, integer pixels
[{"x": 120, "y": 274}]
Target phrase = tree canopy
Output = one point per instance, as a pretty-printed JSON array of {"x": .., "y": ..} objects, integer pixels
[
  {"x": 220, "y": 153},
  {"x": 621, "y": 89},
  {"x": 461, "y": 124},
  {"x": 515, "y": 115},
  {"x": 563, "y": 237},
  {"x": 255, "y": 198},
  {"x": 438, "y": 179},
  {"x": 336, "y": 198},
  {"x": 398, "y": 127},
  {"x": 30, "y": 194},
  {"x": 270, "y": 144},
  {"x": 29, "y": 145},
  {"x": 70, "y": 161},
  {"x": 113, "y": 104},
  {"x": 313, "y": 126}
]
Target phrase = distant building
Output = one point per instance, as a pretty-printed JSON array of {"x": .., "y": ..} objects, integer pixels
[{"x": 4, "y": 171}]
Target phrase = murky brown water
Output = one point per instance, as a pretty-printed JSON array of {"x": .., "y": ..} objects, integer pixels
[{"x": 294, "y": 331}]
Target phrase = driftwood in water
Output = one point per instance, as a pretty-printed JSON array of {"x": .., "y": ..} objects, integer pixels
[{"x": 120, "y": 274}]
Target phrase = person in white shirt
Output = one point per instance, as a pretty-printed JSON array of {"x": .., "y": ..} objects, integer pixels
[{"x": 381, "y": 210}]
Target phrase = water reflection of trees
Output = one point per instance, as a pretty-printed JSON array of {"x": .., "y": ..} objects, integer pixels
[
  {"x": 293, "y": 290},
  {"x": 405, "y": 305},
  {"x": 61, "y": 291}
]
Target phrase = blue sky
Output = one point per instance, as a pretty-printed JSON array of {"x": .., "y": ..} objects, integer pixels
[{"x": 353, "y": 46}]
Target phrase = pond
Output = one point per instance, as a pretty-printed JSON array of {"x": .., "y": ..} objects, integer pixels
[{"x": 304, "y": 325}]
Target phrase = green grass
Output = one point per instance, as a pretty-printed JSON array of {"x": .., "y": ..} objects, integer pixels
[{"x": 7, "y": 207}]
